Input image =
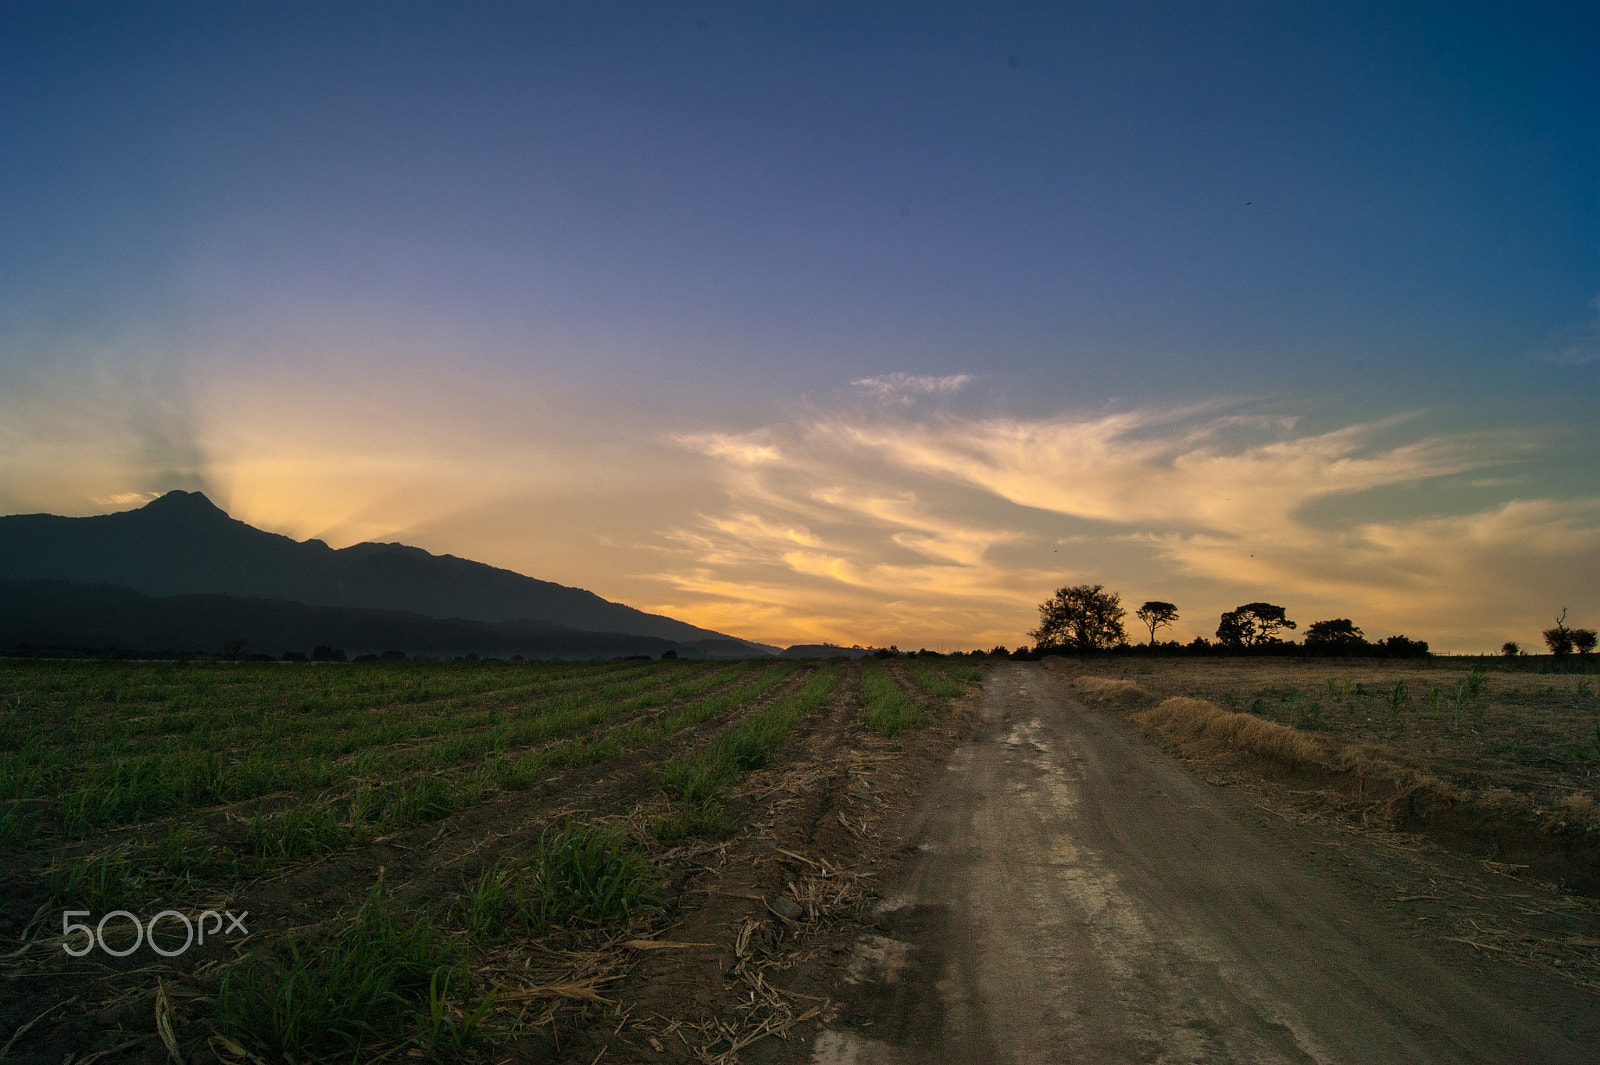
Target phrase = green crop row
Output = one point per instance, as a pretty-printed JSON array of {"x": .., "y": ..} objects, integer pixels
[
  {"x": 701, "y": 781},
  {"x": 888, "y": 711},
  {"x": 938, "y": 682}
]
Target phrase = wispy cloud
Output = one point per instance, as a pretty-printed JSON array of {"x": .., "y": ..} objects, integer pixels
[
  {"x": 880, "y": 519},
  {"x": 904, "y": 387},
  {"x": 1576, "y": 346},
  {"x": 1159, "y": 469}
]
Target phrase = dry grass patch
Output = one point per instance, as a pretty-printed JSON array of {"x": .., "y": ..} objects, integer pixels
[
  {"x": 1108, "y": 689},
  {"x": 1185, "y": 718},
  {"x": 1577, "y": 813}
]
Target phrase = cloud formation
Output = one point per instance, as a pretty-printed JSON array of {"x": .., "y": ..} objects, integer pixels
[
  {"x": 904, "y": 387},
  {"x": 953, "y": 529}
]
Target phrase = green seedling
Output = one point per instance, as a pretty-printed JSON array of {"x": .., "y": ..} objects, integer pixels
[
  {"x": 484, "y": 903},
  {"x": 451, "y": 1030},
  {"x": 1398, "y": 697},
  {"x": 1468, "y": 695},
  {"x": 1308, "y": 714},
  {"x": 426, "y": 800}
]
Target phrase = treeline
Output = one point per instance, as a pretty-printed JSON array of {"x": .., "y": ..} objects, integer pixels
[{"x": 1088, "y": 619}]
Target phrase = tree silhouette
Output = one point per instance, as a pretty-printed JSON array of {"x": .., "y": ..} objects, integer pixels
[
  {"x": 1156, "y": 614},
  {"x": 1402, "y": 646},
  {"x": 1583, "y": 640},
  {"x": 1511, "y": 648},
  {"x": 1335, "y": 634},
  {"x": 1082, "y": 618},
  {"x": 1253, "y": 625},
  {"x": 1559, "y": 638}
]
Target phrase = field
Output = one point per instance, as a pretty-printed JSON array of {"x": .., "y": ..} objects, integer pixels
[
  {"x": 422, "y": 860},
  {"x": 653, "y": 861}
]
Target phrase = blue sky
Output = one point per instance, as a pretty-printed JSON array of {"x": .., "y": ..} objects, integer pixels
[{"x": 866, "y": 322}]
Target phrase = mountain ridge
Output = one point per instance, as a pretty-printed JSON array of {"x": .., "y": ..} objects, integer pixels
[
  {"x": 60, "y": 616},
  {"x": 183, "y": 544}
]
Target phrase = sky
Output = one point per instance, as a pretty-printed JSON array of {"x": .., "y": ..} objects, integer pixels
[{"x": 866, "y": 323}]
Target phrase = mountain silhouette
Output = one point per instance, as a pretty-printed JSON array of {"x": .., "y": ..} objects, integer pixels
[
  {"x": 182, "y": 544},
  {"x": 53, "y": 616}
]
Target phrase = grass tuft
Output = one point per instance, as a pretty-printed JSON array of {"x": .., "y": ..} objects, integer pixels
[
  {"x": 355, "y": 997},
  {"x": 587, "y": 874},
  {"x": 110, "y": 880},
  {"x": 700, "y": 782},
  {"x": 583, "y": 875}
]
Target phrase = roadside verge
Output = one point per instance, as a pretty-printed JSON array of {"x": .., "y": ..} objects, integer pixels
[{"x": 1558, "y": 842}]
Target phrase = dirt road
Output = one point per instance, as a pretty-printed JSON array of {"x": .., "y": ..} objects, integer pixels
[{"x": 1080, "y": 896}]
